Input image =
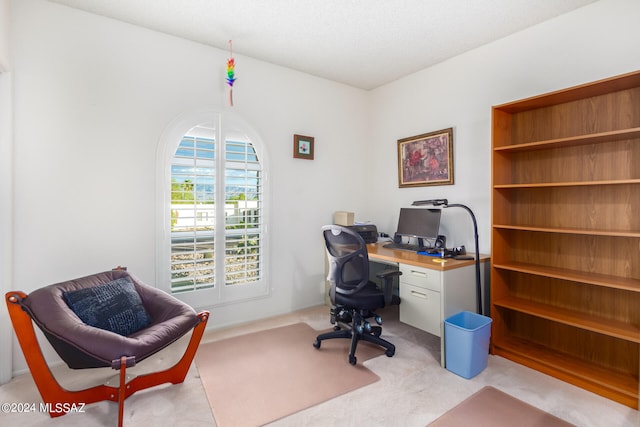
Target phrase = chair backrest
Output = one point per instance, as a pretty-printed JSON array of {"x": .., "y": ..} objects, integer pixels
[{"x": 348, "y": 260}]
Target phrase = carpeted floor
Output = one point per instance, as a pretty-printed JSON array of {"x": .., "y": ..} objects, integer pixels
[
  {"x": 413, "y": 389},
  {"x": 257, "y": 378}
]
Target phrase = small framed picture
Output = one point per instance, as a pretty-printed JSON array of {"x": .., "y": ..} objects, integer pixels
[
  {"x": 426, "y": 159},
  {"x": 303, "y": 147}
]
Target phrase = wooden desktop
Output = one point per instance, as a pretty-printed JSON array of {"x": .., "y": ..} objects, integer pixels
[{"x": 377, "y": 251}]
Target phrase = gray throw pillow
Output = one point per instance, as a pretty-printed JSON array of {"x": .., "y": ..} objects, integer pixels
[{"x": 114, "y": 306}]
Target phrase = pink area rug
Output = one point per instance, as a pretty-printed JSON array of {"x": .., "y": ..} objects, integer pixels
[
  {"x": 254, "y": 379},
  {"x": 491, "y": 407}
]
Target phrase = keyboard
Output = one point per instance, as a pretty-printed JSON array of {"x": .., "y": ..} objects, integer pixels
[{"x": 402, "y": 247}]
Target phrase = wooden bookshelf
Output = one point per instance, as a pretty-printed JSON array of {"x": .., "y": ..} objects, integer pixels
[{"x": 565, "y": 276}]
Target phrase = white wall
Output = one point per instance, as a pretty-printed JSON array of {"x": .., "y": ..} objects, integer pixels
[
  {"x": 5, "y": 14},
  {"x": 92, "y": 98},
  {"x": 594, "y": 42},
  {"x": 6, "y": 187}
]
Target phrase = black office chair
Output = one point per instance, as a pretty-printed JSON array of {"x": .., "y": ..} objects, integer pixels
[{"x": 353, "y": 297}]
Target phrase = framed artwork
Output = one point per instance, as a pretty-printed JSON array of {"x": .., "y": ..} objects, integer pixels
[
  {"x": 303, "y": 147},
  {"x": 426, "y": 159}
]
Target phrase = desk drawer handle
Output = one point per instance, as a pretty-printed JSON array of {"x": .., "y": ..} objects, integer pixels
[
  {"x": 419, "y": 294},
  {"x": 418, "y": 273}
]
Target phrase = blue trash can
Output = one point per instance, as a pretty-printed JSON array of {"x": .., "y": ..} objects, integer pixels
[{"x": 466, "y": 341}]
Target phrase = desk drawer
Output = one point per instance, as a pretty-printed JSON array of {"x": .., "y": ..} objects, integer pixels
[
  {"x": 421, "y": 277},
  {"x": 420, "y": 308}
]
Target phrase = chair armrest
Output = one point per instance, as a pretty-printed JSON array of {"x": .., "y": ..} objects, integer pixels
[
  {"x": 388, "y": 276},
  {"x": 388, "y": 273}
]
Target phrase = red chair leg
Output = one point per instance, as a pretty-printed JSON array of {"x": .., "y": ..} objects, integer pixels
[
  {"x": 121, "y": 390},
  {"x": 56, "y": 396},
  {"x": 178, "y": 372},
  {"x": 52, "y": 393}
]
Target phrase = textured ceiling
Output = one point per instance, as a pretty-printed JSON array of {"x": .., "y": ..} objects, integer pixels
[{"x": 362, "y": 43}]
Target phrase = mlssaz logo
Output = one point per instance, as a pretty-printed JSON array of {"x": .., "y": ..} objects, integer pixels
[{"x": 62, "y": 407}]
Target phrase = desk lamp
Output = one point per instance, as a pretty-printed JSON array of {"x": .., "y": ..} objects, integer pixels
[{"x": 445, "y": 204}]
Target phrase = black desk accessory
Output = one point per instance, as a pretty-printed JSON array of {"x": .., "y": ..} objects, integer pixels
[{"x": 445, "y": 204}]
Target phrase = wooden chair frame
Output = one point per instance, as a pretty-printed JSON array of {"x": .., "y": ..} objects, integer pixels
[{"x": 57, "y": 397}]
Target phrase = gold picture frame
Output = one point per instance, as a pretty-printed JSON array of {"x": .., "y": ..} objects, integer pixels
[
  {"x": 426, "y": 159},
  {"x": 303, "y": 147}
]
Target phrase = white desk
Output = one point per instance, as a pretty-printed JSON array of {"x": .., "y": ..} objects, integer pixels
[{"x": 431, "y": 290}]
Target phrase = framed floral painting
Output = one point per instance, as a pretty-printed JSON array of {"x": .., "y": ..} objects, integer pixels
[{"x": 426, "y": 159}]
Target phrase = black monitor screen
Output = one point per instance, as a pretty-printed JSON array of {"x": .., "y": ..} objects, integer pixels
[{"x": 423, "y": 223}]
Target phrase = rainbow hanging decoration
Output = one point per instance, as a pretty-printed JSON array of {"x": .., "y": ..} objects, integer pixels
[{"x": 231, "y": 75}]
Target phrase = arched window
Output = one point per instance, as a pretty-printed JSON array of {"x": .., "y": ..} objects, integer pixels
[{"x": 213, "y": 210}]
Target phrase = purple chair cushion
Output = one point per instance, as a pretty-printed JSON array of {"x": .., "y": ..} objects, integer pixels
[{"x": 170, "y": 319}]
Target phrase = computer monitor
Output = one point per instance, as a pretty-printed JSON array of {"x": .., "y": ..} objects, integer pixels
[{"x": 418, "y": 222}]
